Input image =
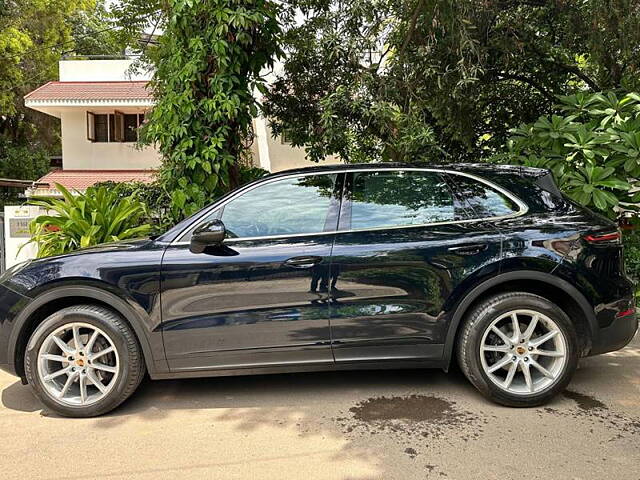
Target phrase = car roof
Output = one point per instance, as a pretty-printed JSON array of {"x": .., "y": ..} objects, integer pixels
[{"x": 461, "y": 167}]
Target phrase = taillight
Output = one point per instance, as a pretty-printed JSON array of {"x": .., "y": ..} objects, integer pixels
[{"x": 608, "y": 237}]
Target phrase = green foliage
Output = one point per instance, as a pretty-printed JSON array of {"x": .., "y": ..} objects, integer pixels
[
  {"x": 22, "y": 163},
  {"x": 33, "y": 36},
  {"x": 84, "y": 220},
  {"x": 632, "y": 254},
  {"x": 94, "y": 33},
  {"x": 592, "y": 147},
  {"x": 26, "y": 27},
  {"x": 208, "y": 63},
  {"x": 152, "y": 195},
  {"x": 393, "y": 79}
]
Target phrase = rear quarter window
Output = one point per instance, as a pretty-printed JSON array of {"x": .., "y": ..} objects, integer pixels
[{"x": 481, "y": 200}]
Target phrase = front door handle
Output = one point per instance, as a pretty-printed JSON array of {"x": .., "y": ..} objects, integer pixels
[
  {"x": 472, "y": 249},
  {"x": 307, "y": 261}
]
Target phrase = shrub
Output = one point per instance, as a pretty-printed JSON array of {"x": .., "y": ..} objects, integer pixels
[
  {"x": 152, "y": 195},
  {"x": 84, "y": 220},
  {"x": 592, "y": 146},
  {"x": 632, "y": 255}
]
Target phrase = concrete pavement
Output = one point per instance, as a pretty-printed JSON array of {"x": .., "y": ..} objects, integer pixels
[{"x": 341, "y": 425}]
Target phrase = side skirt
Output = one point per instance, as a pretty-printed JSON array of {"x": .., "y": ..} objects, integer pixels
[{"x": 320, "y": 367}]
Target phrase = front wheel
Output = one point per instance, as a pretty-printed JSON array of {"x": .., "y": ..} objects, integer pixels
[
  {"x": 83, "y": 361},
  {"x": 518, "y": 349}
]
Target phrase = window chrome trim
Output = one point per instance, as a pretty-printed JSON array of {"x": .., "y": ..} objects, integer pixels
[{"x": 523, "y": 208}]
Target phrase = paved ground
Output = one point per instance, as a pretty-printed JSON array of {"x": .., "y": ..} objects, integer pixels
[{"x": 345, "y": 425}]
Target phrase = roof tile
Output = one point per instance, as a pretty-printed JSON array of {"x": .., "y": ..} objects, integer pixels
[
  {"x": 82, "y": 179},
  {"x": 91, "y": 91}
]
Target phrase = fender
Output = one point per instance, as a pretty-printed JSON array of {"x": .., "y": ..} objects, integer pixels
[
  {"x": 499, "y": 279},
  {"x": 150, "y": 341}
]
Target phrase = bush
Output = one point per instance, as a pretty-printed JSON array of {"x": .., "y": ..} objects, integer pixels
[
  {"x": 592, "y": 147},
  {"x": 84, "y": 220},
  {"x": 152, "y": 195},
  {"x": 631, "y": 240}
]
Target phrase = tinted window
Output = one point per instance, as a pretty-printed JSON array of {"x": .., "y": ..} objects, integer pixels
[
  {"x": 397, "y": 198},
  {"x": 482, "y": 200},
  {"x": 288, "y": 206}
]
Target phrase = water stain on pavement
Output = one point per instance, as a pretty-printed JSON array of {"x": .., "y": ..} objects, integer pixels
[
  {"x": 593, "y": 410},
  {"x": 585, "y": 402},
  {"x": 415, "y": 421},
  {"x": 414, "y": 408}
]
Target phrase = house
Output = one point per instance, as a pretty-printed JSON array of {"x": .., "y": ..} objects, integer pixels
[{"x": 100, "y": 104}]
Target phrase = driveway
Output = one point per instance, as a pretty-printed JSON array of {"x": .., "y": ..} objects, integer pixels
[{"x": 339, "y": 425}]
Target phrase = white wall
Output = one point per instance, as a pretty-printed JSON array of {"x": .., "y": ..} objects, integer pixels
[
  {"x": 99, "y": 71},
  {"x": 78, "y": 153},
  {"x": 284, "y": 156},
  {"x": 13, "y": 253}
]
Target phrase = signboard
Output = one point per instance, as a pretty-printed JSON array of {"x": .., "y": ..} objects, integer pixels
[{"x": 19, "y": 227}]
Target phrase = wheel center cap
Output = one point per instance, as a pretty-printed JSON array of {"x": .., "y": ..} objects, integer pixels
[
  {"x": 80, "y": 362},
  {"x": 520, "y": 350}
]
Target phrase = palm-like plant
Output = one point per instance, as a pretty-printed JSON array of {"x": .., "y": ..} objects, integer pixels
[{"x": 84, "y": 220}]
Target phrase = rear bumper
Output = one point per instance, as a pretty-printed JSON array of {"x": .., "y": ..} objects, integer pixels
[{"x": 616, "y": 336}]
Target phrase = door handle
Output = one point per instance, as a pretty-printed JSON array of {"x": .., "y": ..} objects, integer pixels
[
  {"x": 473, "y": 249},
  {"x": 303, "y": 262}
]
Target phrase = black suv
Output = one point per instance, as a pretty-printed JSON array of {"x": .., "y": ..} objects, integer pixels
[{"x": 326, "y": 268}]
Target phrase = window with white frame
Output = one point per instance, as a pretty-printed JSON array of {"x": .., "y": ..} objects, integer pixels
[{"x": 113, "y": 127}]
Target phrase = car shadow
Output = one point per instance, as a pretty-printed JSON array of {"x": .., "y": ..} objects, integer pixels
[
  {"x": 156, "y": 399},
  {"x": 153, "y": 397}
]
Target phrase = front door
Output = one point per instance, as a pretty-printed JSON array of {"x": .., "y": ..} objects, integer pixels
[
  {"x": 261, "y": 299},
  {"x": 404, "y": 245}
]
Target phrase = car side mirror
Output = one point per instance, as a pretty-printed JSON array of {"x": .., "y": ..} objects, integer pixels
[{"x": 209, "y": 234}]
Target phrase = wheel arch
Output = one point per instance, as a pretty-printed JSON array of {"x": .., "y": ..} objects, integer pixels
[
  {"x": 60, "y": 297},
  {"x": 555, "y": 289}
]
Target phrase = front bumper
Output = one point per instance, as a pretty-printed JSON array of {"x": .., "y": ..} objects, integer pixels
[
  {"x": 615, "y": 336},
  {"x": 11, "y": 304}
]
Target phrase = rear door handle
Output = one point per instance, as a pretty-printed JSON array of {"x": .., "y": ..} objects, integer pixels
[
  {"x": 303, "y": 262},
  {"x": 472, "y": 249}
]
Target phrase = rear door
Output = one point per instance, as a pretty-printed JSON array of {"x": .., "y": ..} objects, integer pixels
[{"x": 404, "y": 245}]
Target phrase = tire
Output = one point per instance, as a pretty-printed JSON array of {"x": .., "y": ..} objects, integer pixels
[
  {"x": 125, "y": 361},
  {"x": 558, "y": 355}
]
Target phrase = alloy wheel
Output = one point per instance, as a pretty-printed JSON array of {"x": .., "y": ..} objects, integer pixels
[
  {"x": 523, "y": 352},
  {"x": 78, "y": 364}
]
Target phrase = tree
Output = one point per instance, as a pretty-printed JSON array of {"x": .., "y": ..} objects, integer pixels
[
  {"x": 33, "y": 36},
  {"x": 396, "y": 79},
  {"x": 208, "y": 64},
  {"x": 94, "y": 32},
  {"x": 20, "y": 162}
]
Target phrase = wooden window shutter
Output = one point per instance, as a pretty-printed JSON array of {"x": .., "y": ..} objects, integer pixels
[
  {"x": 118, "y": 123},
  {"x": 91, "y": 127}
]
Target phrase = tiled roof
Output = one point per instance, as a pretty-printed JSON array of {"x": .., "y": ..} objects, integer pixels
[
  {"x": 81, "y": 179},
  {"x": 77, "y": 91}
]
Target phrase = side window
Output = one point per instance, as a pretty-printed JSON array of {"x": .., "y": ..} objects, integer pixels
[
  {"x": 397, "y": 198},
  {"x": 481, "y": 200},
  {"x": 288, "y": 206}
]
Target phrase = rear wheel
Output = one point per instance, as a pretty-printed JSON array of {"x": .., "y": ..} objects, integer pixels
[
  {"x": 83, "y": 361},
  {"x": 518, "y": 349}
]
